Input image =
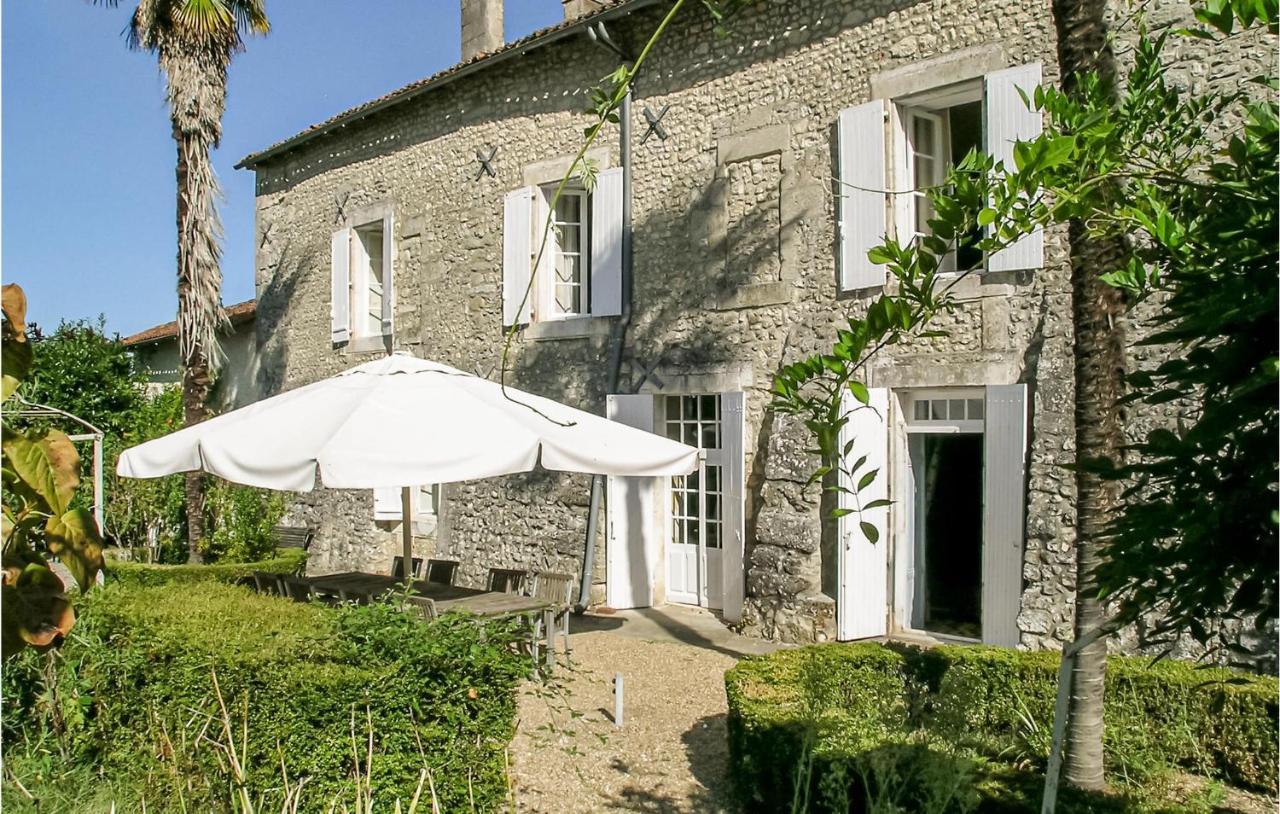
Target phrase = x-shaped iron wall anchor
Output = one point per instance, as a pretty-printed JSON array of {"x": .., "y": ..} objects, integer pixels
[
  {"x": 655, "y": 124},
  {"x": 485, "y": 163},
  {"x": 341, "y": 207}
]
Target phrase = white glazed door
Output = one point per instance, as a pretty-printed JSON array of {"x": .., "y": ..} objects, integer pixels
[{"x": 695, "y": 570}]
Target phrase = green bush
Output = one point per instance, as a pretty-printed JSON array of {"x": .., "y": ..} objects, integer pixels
[
  {"x": 132, "y": 695},
  {"x": 979, "y": 717},
  {"x": 287, "y": 561}
]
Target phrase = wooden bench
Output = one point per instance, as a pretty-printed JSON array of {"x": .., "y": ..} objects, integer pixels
[{"x": 293, "y": 536}]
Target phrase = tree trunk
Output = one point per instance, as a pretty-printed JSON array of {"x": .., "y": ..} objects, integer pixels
[
  {"x": 1099, "y": 349},
  {"x": 197, "y": 88}
]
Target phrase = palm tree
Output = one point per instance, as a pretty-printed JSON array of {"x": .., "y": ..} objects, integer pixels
[
  {"x": 194, "y": 40},
  {"x": 1099, "y": 350}
]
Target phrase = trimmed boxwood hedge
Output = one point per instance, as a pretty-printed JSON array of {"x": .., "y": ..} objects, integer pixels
[
  {"x": 850, "y": 707},
  {"x": 134, "y": 682},
  {"x": 286, "y": 561}
]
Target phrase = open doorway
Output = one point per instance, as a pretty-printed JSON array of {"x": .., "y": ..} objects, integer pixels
[
  {"x": 944, "y": 501},
  {"x": 948, "y": 533}
]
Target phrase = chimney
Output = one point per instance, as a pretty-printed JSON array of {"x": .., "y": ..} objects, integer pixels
[
  {"x": 577, "y": 8},
  {"x": 481, "y": 27}
]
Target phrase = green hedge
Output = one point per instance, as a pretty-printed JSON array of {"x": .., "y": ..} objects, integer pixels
[
  {"x": 134, "y": 689},
  {"x": 864, "y": 716},
  {"x": 286, "y": 561}
]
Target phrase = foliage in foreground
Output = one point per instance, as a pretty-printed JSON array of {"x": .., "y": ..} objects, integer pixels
[
  {"x": 866, "y": 727},
  {"x": 131, "y": 696},
  {"x": 41, "y": 473}
]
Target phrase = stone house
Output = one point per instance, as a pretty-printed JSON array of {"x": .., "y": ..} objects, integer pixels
[
  {"x": 725, "y": 235},
  {"x": 155, "y": 352}
]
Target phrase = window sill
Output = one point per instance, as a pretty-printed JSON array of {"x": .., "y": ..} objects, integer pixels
[
  {"x": 572, "y": 328},
  {"x": 367, "y": 344}
]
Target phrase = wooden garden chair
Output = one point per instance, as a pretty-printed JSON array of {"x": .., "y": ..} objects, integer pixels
[
  {"x": 267, "y": 583},
  {"x": 397, "y": 567},
  {"x": 299, "y": 590},
  {"x": 558, "y": 590},
  {"x": 507, "y": 580},
  {"x": 442, "y": 572},
  {"x": 423, "y": 606}
]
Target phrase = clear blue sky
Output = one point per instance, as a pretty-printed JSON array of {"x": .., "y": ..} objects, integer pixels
[{"x": 88, "y": 184}]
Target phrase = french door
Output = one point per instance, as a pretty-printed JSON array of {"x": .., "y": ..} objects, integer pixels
[{"x": 695, "y": 547}]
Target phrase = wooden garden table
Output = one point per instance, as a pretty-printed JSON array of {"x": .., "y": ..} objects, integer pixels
[{"x": 449, "y": 598}]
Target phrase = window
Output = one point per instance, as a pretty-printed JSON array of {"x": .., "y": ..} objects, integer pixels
[
  {"x": 696, "y": 497},
  {"x": 368, "y": 271},
  {"x": 362, "y": 291},
  {"x": 387, "y": 506},
  {"x": 958, "y": 410},
  {"x": 926, "y": 133},
  {"x": 580, "y": 272},
  {"x": 564, "y": 277},
  {"x": 936, "y": 132}
]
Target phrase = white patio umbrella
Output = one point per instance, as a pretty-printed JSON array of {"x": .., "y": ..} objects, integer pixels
[{"x": 401, "y": 422}]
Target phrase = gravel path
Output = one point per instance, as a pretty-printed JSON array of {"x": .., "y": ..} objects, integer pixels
[{"x": 670, "y": 754}]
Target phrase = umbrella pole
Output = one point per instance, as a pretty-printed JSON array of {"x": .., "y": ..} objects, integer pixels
[{"x": 406, "y": 526}]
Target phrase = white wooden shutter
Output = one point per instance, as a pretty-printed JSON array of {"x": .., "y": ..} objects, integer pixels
[
  {"x": 1003, "y": 497},
  {"x": 340, "y": 287},
  {"x": 388, "y": 275},
  {"x": 733, "y": 464},
  {"x": 606, "y": 244},
  {"x": 632, "y": 512},
  {"x": 861, "y": 224},
  {"x": 516, "y": 255},
  {"x": 1009, "y": 119},
  {"x": 862, "y": 603},
  {"x": 427, "y": 500},
  {"x": 386, "y": 504}
]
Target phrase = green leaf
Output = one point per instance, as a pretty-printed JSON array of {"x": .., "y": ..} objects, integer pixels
[
  {"x": 877, "y": 504},
  {"x": 15, "y": 361},
  {"x": 870, "y": 532},
  {"x": 47, "y": 464},
  {"x": 75, "y": 540},
  {"x": 867, "y": 479},
  {"x": 859, "y": 391}
]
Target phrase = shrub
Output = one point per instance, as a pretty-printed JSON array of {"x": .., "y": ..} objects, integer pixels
[
  {"x": 286, "y": 561},
  {"x": 928, "y": 722},
  {"x": 134, "y": 689}
]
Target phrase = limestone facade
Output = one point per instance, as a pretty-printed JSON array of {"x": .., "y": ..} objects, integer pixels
[{"x": 735, "y": 274}]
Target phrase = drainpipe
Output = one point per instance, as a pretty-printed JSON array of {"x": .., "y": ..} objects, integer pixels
[{"x": 599, "y": 35}]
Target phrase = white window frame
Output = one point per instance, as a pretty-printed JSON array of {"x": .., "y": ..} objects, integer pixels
[
  {"x": 938, "y": 422},
  {"x": 905, "y": 111},
  {"x": 545, "y": 306},
  {"x": 363, "y": 295}
]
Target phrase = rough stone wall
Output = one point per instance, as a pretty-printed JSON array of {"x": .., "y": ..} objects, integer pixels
[{"x": 735, "y": 275}]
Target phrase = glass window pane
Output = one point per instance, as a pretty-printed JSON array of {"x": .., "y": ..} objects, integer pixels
[
  {"x": 713, "y": 507},
  {"x": 710, "y": 436},
  {"x": 569, "y": 208},
  {"x": 569, "y": 238},
  {"x": 690, "y": 408},
  {"x": 713, "y": 479},
  {"x": 955, "y": 409},
  {"x": 691, "y": 434},
  {"x": 692, "y": 504},
  {"x": 671, "y": 405},
  {"x": 938, "y": 409},
  {"x": 692, "y": 538},
  {"x": 710, "y": 408},
  {"x": 922, "y": 136},
  {"x": 921, "y": 409},
  {"x": 693, "y": 480},
  {"x": 673, "y": 430},
  {"x": 977, "y": 409},
  {"x": 713, "y": 535}
]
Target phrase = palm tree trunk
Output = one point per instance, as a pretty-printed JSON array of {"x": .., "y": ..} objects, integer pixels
[
  {"x": 197, "y": 85},
  {"x": 1099, "y": 349}
]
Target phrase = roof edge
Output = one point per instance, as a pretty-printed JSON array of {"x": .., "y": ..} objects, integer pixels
[{"x": 413, "y": 90}]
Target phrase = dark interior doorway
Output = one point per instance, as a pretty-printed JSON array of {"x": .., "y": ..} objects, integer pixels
[{"x": 952, "y": 544}]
